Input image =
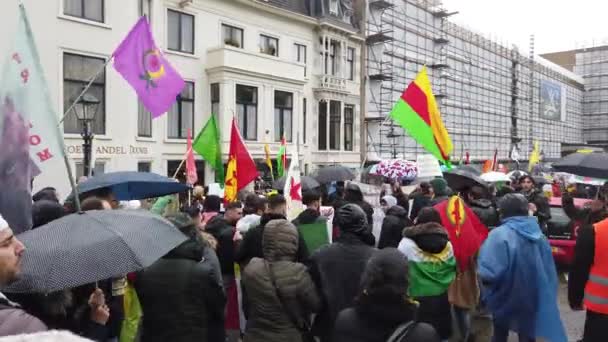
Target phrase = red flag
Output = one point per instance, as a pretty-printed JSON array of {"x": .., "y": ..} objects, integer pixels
[
  {"x": 467, "y": 159},
  {"x": 241, "y": 169},
  {"x": 495, "y": 161},
  {"x": 191, "y": 175},
  {"x": 465, "y": 230}
]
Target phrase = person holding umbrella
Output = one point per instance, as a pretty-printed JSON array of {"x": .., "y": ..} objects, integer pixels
[{"x": 13, "y": 320}]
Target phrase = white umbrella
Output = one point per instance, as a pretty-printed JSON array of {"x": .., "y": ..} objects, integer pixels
[{"x": 493, "y": 177}]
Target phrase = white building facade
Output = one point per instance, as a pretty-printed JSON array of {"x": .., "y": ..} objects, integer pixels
[{"x": 281, "y": 68}]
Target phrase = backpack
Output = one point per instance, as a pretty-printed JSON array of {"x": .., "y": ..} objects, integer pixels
[{"x": 401, "y": 332}]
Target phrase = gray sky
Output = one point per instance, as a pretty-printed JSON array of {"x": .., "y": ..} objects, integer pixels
[{"x": 557, "y": 24}]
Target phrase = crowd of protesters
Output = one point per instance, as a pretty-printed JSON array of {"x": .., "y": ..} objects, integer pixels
[{"x": 245, "y": 262}]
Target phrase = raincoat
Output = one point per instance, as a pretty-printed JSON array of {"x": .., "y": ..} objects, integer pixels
[{"x": 519, "y": 280}]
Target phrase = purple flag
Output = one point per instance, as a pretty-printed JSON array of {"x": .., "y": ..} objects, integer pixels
[{"x": 142, "y": 64}]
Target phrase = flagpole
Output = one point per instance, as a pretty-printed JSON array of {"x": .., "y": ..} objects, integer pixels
[
  {"x": 182, "y": 163},
  {"x": 84, "y": 90},
  {"x": 72, "y": 182}
]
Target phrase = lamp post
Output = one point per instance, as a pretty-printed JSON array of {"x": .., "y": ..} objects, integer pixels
[{"x": 86, "y": 109}]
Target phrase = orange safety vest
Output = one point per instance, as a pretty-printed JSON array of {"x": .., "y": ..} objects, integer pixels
[{"x": 596, "y": 290}]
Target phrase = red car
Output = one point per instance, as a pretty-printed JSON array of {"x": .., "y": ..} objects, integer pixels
[{"x": 562, "y": 231}]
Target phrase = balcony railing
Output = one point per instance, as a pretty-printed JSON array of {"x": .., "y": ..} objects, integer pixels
[{"x": 333, "y": 82}]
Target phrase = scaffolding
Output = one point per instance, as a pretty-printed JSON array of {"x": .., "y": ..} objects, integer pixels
[
  {"x": 489, "y": 95},
  {"x": 592, "y": 65}
]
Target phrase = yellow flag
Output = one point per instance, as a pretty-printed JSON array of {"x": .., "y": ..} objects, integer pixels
[{"x": 535, "y": 156}]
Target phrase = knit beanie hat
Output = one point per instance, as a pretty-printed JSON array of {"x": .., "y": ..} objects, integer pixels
[{"x": 439, "y": 186}]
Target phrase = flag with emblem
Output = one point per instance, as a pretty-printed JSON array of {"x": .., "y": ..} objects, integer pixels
[
  {"x": 465, "y": 230},
  {"x": 241, "y": 169},
  {"x": 293, "y": 188},
  {"x": 141, "y": 63}
]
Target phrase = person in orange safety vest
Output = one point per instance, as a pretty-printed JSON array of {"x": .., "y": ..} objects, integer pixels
[{"x": 588, "y": 280}]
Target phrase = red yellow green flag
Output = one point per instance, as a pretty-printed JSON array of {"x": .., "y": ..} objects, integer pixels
[
  {"x": 241, "y": 169},
  {"x": 417, "y": 112}
]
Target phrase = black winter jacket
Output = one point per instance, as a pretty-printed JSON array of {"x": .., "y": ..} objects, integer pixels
[
  {"x": 584, "y": 215},
  {"x": 222, "y": 231},
  {"x": 392, "y": 227},
  {"x": 251, "y": 246},
  {"x": 543, "y": 212},
  {"x": 486, "y": 212},
  {"x": 181, "y": 298},
  {"x": 420, "y": 201},
  {"x": 308, "y": 216},
  {"x": 375, "y": 322},
  {"x": 336, "y": 270}
]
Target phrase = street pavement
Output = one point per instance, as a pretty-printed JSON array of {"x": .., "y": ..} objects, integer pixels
[{"x": 574, "y": 321}]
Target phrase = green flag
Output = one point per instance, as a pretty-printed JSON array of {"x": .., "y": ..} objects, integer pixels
[
  {"x": 207, "y": 145},
  {"x": 282, "y": 158}
]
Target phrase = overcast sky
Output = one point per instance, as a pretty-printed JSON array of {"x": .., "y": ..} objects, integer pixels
[{"x": 557, "y": 24}]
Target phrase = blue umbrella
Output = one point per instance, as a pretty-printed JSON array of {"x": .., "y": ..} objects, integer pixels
[{"x": 131, "y": 185}]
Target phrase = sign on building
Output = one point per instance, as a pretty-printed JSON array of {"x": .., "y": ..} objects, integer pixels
[{"x": 552, "y": 101}]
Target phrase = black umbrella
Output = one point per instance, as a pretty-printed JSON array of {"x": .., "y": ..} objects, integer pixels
[
  {"x": 459, "y": 179},
  {"x": 334, "y": 173},
  {"x": 131, "y": 185},
  {"x": 470, "y": 169},
  {"x": 84, "y": 248},
  {"x": 308, "y": 183},
  {"x": 584, "y": 164}
]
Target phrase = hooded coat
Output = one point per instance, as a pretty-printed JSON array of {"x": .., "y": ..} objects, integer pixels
[
  {"x": 268, "y": 320},
  {"x": 181, "y": 298},
  {"x": 485, "y": 211},
  {"x": 432, "y": 268},
  {"x": 336, "y": 269},
  {"x": 354, "y": 195},
  {"x": 519, "y": 280},
  {"x": 223, "y": 231},
  {"x": 251, "y": 246},
  {"x": 381, "y": 307},
  {"x": 392, "y": 227}
]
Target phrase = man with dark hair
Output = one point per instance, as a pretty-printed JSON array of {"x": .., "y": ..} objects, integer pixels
[
  {"x": 49, "y": 193},
  {"x": 251, "y": 246},
  {"x": 311, "y": 225},
  {"x": 223, "y": 229},
  {"x": 95, "y": 203},
  {"x": 255, "y": 207}
]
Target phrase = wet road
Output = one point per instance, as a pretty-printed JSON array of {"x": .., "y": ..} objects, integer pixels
[{"x": 573, "y": 320}]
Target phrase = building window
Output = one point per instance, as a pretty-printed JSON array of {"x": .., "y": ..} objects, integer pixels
[
  {"x": 181, "y": 116},
  {"x": 145, "y": 9},
  {"x": 304, "y": 123},
  {"x": 232, "y": 36},
  {"x": 283, "y": 115},
  {"x": 300, "y": 54},
  {"x": 334, "y": 125},
  {"x": 269, "y": 45},
  {"x": 333, "y": 7},
  {"x": 145, "y": 166},
  {"x": 98, "y": 169},
  {"x": 86, "y": 9},
  {"x": 247, "y": 111},
  {"x": 331, "y": 68},
  {"x": 180, "y": 174},
  {"x": 350, "y": 63},
  {"x": 349, "y": 120},
  {"x": 144, "y": 121},
  {"x": 181, "y": 32},
  {"x": 322, "y": 125},
  {"x": 215, "y": 98},
  {"x": 77, "y": 72}
]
